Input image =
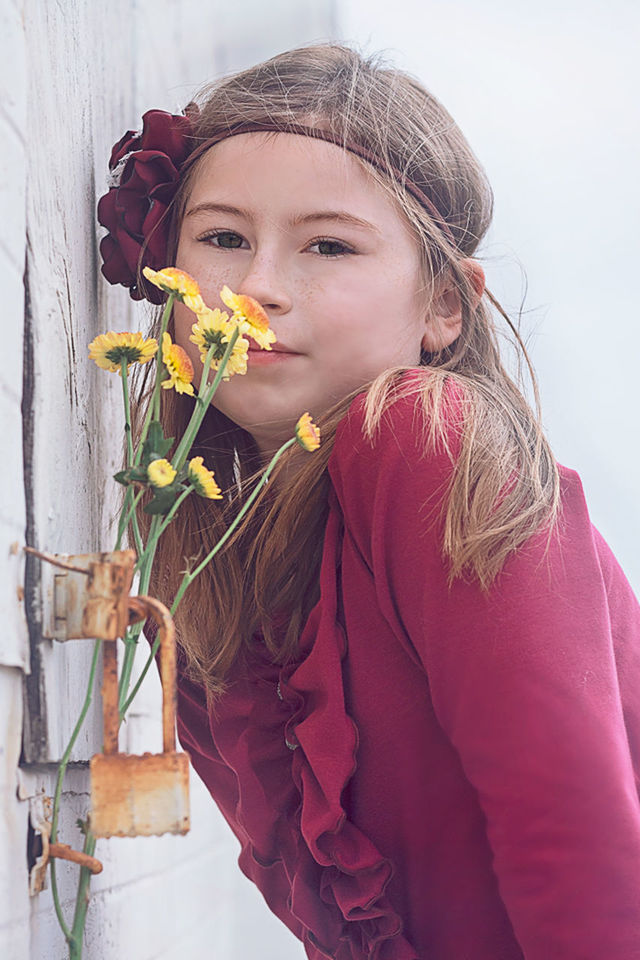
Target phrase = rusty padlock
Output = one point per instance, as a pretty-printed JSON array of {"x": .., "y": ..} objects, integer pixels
[{"x": 148, "y": 795}]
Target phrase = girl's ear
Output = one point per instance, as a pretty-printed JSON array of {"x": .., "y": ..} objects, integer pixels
[{"x": 444, "y": 322}]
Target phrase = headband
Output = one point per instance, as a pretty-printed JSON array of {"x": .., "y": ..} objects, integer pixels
[{"x": 146, "y": 167}]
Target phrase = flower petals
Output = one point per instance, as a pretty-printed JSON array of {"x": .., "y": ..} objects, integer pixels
[
  {"x": 160, "y": 473},
  {"x": 250, "y": 316},
  {"x": 214, "y": 328},
  {"x": 307, "y": 433},
  {"x": 108, "y": 350},
  {"x": 203, "y": 480},
  {"x": 181, "y": 284},
  {"x": 179, "y": 367}
]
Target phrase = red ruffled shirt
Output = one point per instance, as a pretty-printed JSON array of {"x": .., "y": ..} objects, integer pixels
[{"x": 441, "y": 774}]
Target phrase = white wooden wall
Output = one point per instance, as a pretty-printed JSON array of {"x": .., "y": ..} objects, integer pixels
[{"x": 74, "y": 76}]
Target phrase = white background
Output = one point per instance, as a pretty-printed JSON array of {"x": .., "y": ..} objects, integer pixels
[{"x": 547, "y": 95}]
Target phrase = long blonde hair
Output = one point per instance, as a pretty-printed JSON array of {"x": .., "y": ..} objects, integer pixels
[{"x": 271, "y": 563}]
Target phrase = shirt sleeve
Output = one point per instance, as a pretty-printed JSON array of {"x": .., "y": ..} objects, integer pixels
[{"x": 524, "y": 682}]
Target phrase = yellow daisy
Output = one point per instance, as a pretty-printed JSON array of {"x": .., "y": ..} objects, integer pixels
[
  {"x": 214, "y": 328},
  {"x": 179, "y": 367},
  {"x": 307, "y": 433},
  {"x": 160, "y": 473},
  {"x": 250, "y": 316},
  {"x": 110, "y": 349},
  {"x": 172, "y": 280},
  {"x": 203, "y": 480}
]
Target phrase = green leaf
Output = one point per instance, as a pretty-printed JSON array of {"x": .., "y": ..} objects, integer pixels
[
  {"x": 155, "y": 434},
  {"x": 164, "y": 498},
  {"x": 138, "y": 474},
  {"x": 156, "y": 446},
  {"x": 123, "y": 477},
  {"x": 132, "y": 475}
]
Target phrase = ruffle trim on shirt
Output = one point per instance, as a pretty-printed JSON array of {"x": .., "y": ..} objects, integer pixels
[
  {"x": 286, "y": 750},
  {"x": 338, "y": 876},
  {"x": 353, "y": 874}
]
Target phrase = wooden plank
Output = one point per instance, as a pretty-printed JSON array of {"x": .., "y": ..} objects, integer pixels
[{"x": 14, "y": 645}]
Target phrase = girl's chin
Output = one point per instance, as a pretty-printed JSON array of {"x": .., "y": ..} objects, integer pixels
[{"x": 262, "y": 419}]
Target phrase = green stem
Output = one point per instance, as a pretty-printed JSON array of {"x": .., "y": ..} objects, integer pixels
[
  {"x": 126, "y": 512},
  {"x": 129, "y": 513},
  {"x": 123, "y": 513},
  {"x": 190, "y": 577},
  {"x": 137, "y": 539},
  {"x": 145, "y": 559},
  {"x": 74, "y": 937},
  {"x": 192, "y": 429},
  {"x": 160, "y": 367},
  {"x": 145, "y": 564},
  {"x": 169, "y": 517},
  {"x": 61, "y": 770},
  {"x": 56, "y": 901},
  {"x": 143, "y": 435},
  {"x": 82, "y": 900},
  {"x": 127, "y": 410},
  {"x": 140, "y": 562},
  {"x": 202, "y": 404},
  {"x": 206, "y": 366},
  {"x": 124, "y": 521},
  {"x": 75, "y": 949},
  {"x": 151, "y": 546}
]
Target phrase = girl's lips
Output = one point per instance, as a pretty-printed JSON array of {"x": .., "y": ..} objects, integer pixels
[{"x": 260, "y": 357}]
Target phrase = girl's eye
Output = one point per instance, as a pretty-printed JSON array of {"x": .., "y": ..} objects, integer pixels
[
  {"x": 331, "y": 248},
  {"x": 228, "y": 239}
]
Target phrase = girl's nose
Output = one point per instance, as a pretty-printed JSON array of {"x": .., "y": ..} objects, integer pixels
[{"x": 266, "y": 283}]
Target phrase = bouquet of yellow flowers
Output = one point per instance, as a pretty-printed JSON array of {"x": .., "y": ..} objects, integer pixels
[
  {"x": 221, "y": 339},
  {"x": 223, "y": 348}
]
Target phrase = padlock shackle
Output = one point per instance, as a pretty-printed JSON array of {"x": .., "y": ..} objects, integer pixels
[
  {"x": 140, "y": 608},
  {"x": 143, "y": 606}
]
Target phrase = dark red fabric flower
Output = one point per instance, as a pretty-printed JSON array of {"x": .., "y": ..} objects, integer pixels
[{"x": 134, "y": 211}]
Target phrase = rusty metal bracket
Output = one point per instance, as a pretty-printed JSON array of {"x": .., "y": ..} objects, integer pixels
[
  {"x": 40, "y": 809},
  {"x": 87, "y": 595}
]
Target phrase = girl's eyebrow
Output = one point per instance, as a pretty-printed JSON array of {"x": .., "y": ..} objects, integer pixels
[{"x": 341, "y": 216}]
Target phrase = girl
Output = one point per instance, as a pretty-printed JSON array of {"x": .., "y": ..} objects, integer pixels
[{"x": 410, "y": 681}]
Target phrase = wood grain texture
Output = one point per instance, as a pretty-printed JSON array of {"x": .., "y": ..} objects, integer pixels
[{"x": 14, "y": 646}]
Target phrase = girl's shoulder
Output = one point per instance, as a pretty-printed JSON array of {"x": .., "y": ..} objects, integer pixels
[
  {"x": 394, "y": 460},
  {"x": 413, "y": 422}
]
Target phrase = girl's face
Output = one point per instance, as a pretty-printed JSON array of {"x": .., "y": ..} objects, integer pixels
[{"x": 296, "y": 224}]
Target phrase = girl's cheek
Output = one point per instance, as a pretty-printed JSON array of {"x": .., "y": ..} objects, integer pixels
[{"x": 184, "y": 320}]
